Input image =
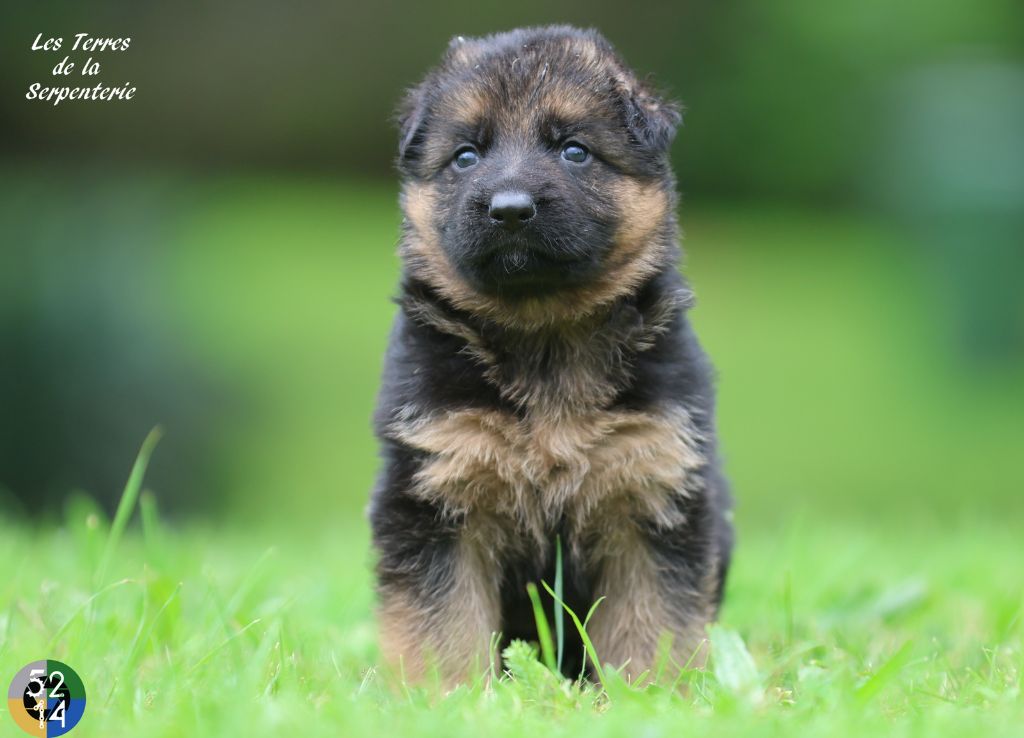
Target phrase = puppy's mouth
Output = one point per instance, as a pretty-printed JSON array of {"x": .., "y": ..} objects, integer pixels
[{"x": 520, "y": 265}]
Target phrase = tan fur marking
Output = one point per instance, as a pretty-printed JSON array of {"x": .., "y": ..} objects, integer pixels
[
  {"x": 467, "y": 104},
  {"x": 644, "y": 208},
  {"x": 635, "y": 257},
  {"x": 533, "y": 470},
  {"x": 422, "y": 252},
  {"x": 451, "y": 631},
  {"x": 568, "y": 105},
  {"x": 634, "y": 616}
]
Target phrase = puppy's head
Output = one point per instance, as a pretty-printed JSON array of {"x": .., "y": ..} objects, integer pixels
[{"x": 536, "y": 177}]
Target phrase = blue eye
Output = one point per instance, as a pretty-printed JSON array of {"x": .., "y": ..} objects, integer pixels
[
  {"x": 466, "y": 158},
  {"x": 575, "y": 153}
]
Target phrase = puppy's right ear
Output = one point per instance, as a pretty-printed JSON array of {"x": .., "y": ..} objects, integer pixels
[{"x": 412, "y": 114}]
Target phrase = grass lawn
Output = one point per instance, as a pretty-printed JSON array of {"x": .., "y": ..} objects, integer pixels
[
  {"x": 878, "y": 585},
  {"x": 849, "y": 630}
]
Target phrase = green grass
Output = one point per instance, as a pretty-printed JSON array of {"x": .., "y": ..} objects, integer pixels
[{"x": 834, "y": 629}]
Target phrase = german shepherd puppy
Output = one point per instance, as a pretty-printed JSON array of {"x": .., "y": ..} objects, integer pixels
[{"x": 542, "y": 381}]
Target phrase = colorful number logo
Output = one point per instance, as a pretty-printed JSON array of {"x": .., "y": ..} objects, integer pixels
[{"x": 46, "y": 698}]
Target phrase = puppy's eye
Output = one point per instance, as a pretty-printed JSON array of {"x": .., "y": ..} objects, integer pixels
[
  {"x": 574, "y": 152},
  {"x": 466, "y": 157}
]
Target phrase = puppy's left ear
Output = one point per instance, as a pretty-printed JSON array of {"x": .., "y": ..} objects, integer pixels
[
  {"x": 652, "y": 119},
  {"x": 413, "y": 111},
  {"x": 411, "y": 117}
]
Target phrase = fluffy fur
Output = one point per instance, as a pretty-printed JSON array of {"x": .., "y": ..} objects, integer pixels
[{"x": 543, "y": 382}]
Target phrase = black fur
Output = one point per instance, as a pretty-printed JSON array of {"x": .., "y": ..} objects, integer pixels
[{"x": 642, "y": 340}]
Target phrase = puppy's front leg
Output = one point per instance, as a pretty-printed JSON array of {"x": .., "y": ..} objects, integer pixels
[
  {"x": 651, "y": 589},
  {"x": 439, "y": 604}
]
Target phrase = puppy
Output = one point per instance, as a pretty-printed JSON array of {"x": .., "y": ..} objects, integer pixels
[{"x": 542, "y": 380}]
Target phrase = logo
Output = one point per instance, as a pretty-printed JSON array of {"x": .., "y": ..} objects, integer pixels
[{"x": 46, "y": 698}]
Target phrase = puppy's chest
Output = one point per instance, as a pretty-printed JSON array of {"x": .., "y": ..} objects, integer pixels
[{"x": 554, "y": 462}]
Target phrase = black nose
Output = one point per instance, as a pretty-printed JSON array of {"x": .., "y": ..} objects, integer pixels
[{"x": 511, "y": 209}]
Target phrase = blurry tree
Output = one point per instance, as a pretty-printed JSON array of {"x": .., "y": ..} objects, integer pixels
[
  {"x": 87, "y": 365},
  {"x": 951, "y": 166},
  {"x": 779, "y": 94}
]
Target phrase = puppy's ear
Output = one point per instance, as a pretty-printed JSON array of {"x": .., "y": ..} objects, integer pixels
[
  {"x": 411, "y": 117},
  {"x": 650, "y": 118},
  {"x": 413, "y": 112},
  {"x": 655, "y": 119}
]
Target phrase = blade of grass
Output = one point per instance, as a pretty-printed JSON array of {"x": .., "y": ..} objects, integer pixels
[
  {"x": 685, "y": 671},
  {"x": 82, "y": 608},
  {"x": 127, "y": 503},
  {"x": 664, "y": 655},
  {"x": 559, "y": 613},
  {"x": 590, "y": 612},
  {"x": 492, "y": 656},
  {"x": 149, "y": 515},
  {"x": 885, "y": 673},
  {"x": 547, "y": 648},
  {"x": 223, "y": 645},
  {"x": 152, "y": 535},
  {"x": 141, "y": 636},
  {"x": 586, "y": 622},
  {"x": 587, "y": 644}
]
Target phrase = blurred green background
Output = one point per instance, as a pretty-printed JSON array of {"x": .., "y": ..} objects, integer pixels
[{"x": 218, "y": 255}]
